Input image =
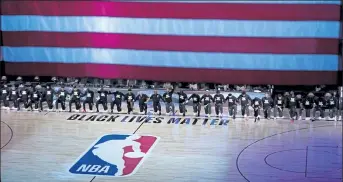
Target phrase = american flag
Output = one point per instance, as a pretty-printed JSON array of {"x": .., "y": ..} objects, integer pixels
[{"x": 236, "y": 42}]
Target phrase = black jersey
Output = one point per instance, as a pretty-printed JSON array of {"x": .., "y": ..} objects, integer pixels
[
  {"x": 195, "y": 98},
  {"x": 232, "y": 100},
  {"x": 219, "y": 98},
  {"x": 207, "y": 98}
]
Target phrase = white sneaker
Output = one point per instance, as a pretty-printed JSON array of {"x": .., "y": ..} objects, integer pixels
[
  {"x": 299, "y": 118},
  {"x": 258, "y": 117},
  {"x": 167, "y": 113},
  {"x": 208, "y": 115},
  {"x": 220, "y": 115},
  {"x": 194, "y": 114},
  {"x": 340, "y": 118}
]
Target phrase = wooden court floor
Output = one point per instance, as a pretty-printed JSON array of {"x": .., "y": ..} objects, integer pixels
[{"x": 42, "y": 147}]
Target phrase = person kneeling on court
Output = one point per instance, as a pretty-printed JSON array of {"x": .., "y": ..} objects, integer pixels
[
  {"x": 292, "y": 103},
  {"x": 14, "y": 96},
  {"x": 267, "y": 103},
  {"x": 168, "y": 99},
  {"x": 156, "y": 98},
  {"x": 102, "y": 99},
  {"x": 182, "y": 102},
  {"x": 24, "y": 97},
  {"x": 308, "y": 104},
  {"x": 207, "y": 103},
  {"x": 256, "y": 105},
  {"x": 219, "y": 101},
  {"x": 130, "y": 99},
  {"x": 320, "y": 105},
  {"x": 61, "y": 98},
  {"x": 142, "y": 102},
  {"x": 196, "y": 104},
  {"x": 232, "y": 105},
  {"x": 75, "y": 98},
  {"x": 48, "y": 97},
  {"x": 244, "y": 100},
  {"x": 35, "y": 98},
  {"x": 118, "y": 97},
  {"x": 331, "y": 103},
  {"x": 5, "y": 96},
  {"x": 89, "y": 94}
]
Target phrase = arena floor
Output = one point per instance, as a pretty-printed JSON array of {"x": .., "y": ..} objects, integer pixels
[{"x": 43, "y": 146}]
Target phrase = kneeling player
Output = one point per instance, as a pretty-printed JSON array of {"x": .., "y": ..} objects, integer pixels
[
  {"x": 5, "y": 96},
  {"x": 48, "y": 96},
  {"x": 61, "y": 98},
  {"x": 75, "y": 98},
  {"x": 267, "y": 103},
  {"x": 168, "y": 99},
  {"x": 142, "y": 103},
  {"x": 244, "y": 100},
  {"x": 308, "y": 103},
  {"x": 219, "y": 101},
  {"x": 14, "y": 97},
  {"x": 292, "y": 103},
  {"x": 36, "y": 97},
  {"x": 256, "y": 104},
  {"x": 102, "y": 99},
  {"x": 156, "y": 102},
  {"x": 25, "y": 98},
  {"x": 182, "y": 102},
  {"x": 89, "y": 94},
  {"x": 279, "y": 105},
  {"x": 196, "y": 104},
  {"x": 130, "y": 99},
  {"x": 207, "y": 103},
  {"x": 118, "y": 97},
  {"x": 232, "y": 105},
  {"x": 331, "y": 104},
  {"x": 320, "y": 105}
]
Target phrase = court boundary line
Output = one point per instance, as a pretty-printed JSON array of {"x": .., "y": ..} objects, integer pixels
[
  {"x": 132, "y": 133},
  {"x": 240, "y": 153},
  {"x": 12, "y": 133},
  {"x": 306, "y": 161},
  {"x": 303, "y": 149}
]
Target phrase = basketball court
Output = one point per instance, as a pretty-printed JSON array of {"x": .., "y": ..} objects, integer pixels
[{"x": 44, "y": 146}]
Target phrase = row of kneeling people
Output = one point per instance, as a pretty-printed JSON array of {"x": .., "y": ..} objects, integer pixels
[{"x": 296, "y": 104}]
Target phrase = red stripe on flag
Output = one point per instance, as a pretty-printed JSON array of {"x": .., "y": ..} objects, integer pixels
[
  {"x": 173, "y": 43},
  {"x": 232, "y": 11},
  {"x": 173, "y": 74}
]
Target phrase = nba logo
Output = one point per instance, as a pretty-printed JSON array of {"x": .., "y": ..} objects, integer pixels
[{"x": 115, "y": 155}]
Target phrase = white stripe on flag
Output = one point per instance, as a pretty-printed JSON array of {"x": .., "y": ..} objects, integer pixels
[
  {"x": 241, "y": 28},
  {"x": 173, "y": 59}
]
